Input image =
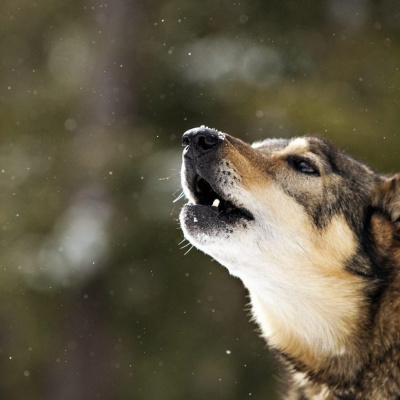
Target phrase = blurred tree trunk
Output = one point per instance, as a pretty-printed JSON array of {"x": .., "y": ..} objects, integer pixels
[
  {"x": 88, "y": 372},
  {"x": 113, "y": 88}
]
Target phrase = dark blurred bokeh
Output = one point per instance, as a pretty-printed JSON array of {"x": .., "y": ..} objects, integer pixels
[{"x": 98, "y": 301}]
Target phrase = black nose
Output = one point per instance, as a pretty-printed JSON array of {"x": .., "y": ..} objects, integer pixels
[{"x": 201, "y": 139}]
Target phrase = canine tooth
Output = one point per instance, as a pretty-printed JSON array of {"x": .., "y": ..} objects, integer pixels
[{"x": 215, "y": 203}]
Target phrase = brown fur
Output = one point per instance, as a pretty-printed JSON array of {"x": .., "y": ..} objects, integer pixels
[{"x": 315, "y": 237}]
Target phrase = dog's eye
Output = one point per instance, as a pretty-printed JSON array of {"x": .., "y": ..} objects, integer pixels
[{"x": 303, "y": 166}]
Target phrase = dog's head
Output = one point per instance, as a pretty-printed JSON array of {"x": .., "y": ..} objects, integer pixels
[
  {"x": 270, "y": 199},
  {"x": 292, "y": 219}
]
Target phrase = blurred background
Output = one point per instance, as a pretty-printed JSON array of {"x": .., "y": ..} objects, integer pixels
[{"x": 97, "y": 298}]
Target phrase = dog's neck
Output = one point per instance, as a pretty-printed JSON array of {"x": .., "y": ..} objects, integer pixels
[
  {"x": 306, "y": 302},
  {"x": 307, "y": 322}
]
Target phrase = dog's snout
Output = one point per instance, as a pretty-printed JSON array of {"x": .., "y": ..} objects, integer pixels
[{"x": 201, "y": 139}]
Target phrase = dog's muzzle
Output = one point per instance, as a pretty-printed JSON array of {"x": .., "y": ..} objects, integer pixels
[{"x": 208, "y": 181}]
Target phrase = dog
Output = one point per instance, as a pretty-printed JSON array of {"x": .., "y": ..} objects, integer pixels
[{"x": 314, "y": 235}]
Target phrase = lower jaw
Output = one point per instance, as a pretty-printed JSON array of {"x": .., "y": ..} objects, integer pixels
[{"x": 209, "y": 221}]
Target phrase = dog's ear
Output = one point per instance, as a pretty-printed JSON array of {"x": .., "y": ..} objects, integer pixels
[{"x": 387, "y": 198}]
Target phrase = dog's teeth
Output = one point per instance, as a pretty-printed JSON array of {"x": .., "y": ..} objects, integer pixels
[{"x": 216, "y": 203}]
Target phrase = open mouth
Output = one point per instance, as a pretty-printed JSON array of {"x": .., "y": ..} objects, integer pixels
[{"x": 205, "y": 195}]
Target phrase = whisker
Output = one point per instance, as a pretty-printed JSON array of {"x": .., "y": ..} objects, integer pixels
[
  {"x": 179, "y": 197},
  {"x": 181, "y": 241},
  {"x": 176, "y": 190},
  {"x": 169, "y": 177},
  {"x": 188, "y": 250},
  {"x": 186, "y": 245}
]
